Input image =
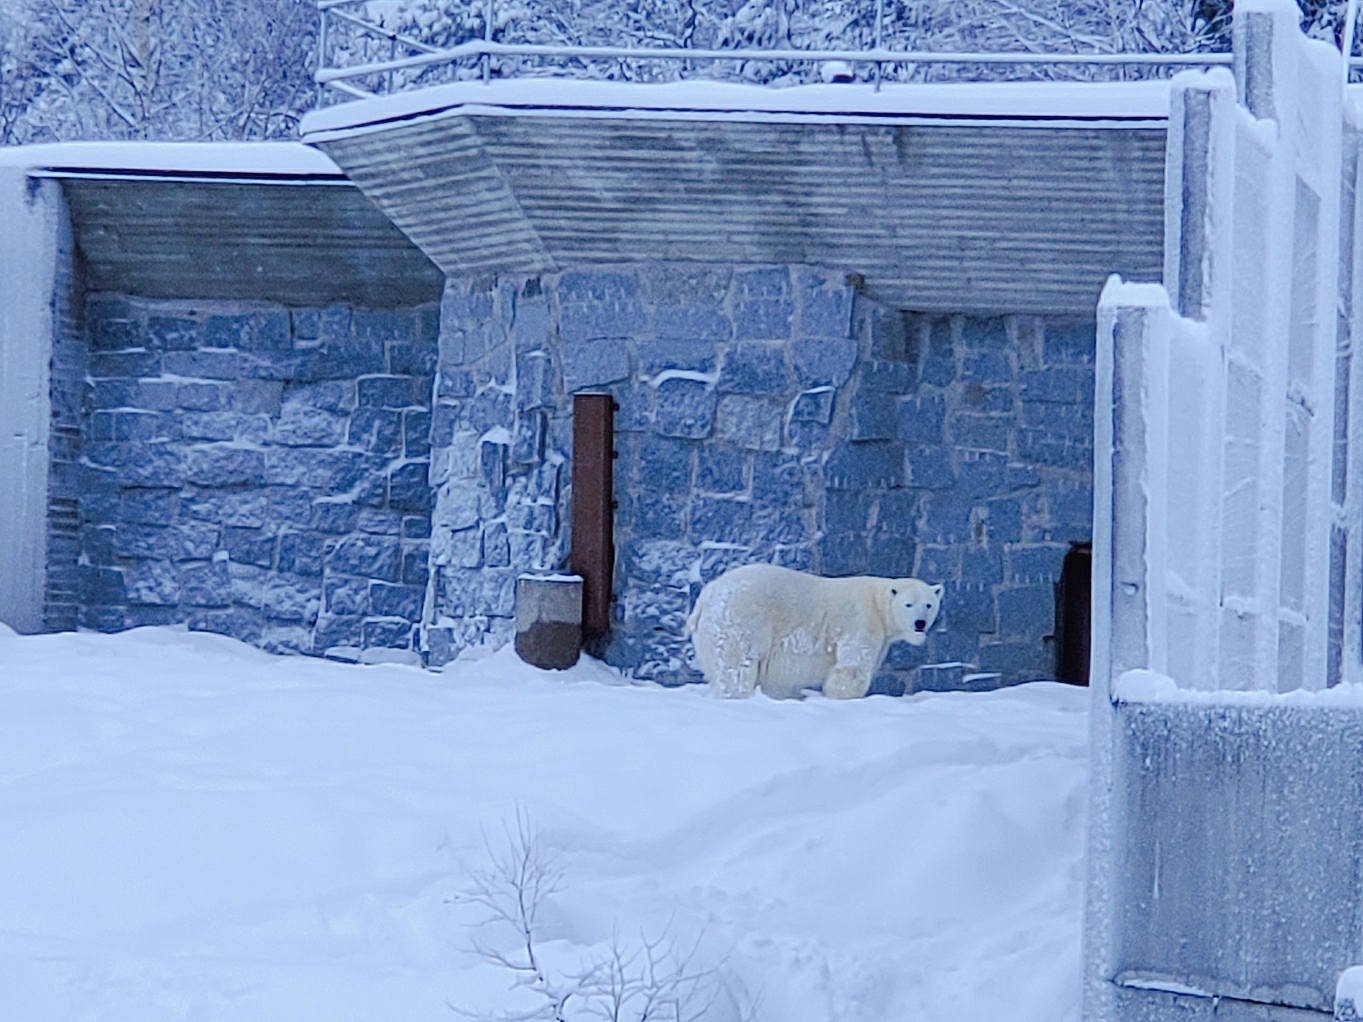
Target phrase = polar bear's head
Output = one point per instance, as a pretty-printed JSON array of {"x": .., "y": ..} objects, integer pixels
[{"x": 913, "y": 608}]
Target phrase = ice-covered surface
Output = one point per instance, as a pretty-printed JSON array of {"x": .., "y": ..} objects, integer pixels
[
  {"x": 1151, "y": 687},
  {"x": 1118, "y": 101},
  {"x": 194, "y": 829},
  {"x": 277, "y": 158}
]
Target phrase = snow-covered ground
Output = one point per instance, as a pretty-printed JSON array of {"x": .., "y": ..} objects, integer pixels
[{"x": 191, "y": 829}]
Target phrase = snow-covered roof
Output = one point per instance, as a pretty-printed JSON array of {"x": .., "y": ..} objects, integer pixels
[
  {"x": 226, "y": 160},
  {"x": 1122, "y": 104}
]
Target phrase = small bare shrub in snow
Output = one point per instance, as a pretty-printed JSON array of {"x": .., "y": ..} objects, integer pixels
[{"x": 649, "y": 980}]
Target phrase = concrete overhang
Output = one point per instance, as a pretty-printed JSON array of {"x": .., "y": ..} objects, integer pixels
[
  {"x": 255, "y": 221},
  {"x": 992, "y": 197}
]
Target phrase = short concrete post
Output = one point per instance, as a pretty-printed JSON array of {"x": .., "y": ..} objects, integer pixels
[{"x": 549, "y": 620}]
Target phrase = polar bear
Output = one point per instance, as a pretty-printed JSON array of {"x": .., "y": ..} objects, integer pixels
[{"x": 785, "y": 631}]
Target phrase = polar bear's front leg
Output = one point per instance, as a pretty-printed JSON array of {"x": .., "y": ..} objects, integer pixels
[
  {"x": 850, "y": 677},
  {"x": 738, "y": 658}
]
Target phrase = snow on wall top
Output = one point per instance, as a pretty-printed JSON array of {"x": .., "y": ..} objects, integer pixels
[
  {"x": 1123, "y": 103},
  {"x": 271, "y": 159}
]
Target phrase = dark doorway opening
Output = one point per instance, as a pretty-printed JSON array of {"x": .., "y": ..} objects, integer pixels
[{"x": 1072, "y": 615}]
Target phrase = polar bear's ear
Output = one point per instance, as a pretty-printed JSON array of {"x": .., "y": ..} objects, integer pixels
[{"x": 937, "y": 589}]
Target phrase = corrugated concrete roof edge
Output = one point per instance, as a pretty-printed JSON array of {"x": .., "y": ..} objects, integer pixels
[{"x": 257, "y": 162}]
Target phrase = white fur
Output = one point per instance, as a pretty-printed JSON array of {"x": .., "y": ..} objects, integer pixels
[{"x": 785, "y": 631}]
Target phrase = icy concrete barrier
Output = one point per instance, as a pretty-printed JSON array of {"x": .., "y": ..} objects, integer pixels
[{"x": 1250, "y": 890}]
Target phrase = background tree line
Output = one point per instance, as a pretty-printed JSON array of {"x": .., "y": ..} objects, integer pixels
[{"x": 242, "y": 69}]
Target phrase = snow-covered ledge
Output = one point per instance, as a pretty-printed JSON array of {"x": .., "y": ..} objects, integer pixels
[{"x": 30, "y": 226}]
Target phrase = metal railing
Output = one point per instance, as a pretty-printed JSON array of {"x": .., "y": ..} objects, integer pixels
[{"x": 409, "y": 57}]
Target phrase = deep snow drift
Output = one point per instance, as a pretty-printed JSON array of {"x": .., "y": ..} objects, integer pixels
[{"x": 192, "y": 829}]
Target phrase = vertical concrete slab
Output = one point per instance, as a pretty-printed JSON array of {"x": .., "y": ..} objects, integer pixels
[{"x": 30, "y": 217}]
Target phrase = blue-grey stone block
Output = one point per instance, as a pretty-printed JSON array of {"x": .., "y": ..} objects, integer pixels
[
  {"x": 334, "y": 360},
  {"x": 823, "y": 361},
  {"x": 751, "y": 422},
  {"x": 332, "y": 516},
  {"x": 412, "y": 360},
  {"x": 383, "y": 325},
  {"x": 763, "y": 319},
  {"x": 701, "y": 326},
  {"x": 593, "y": 363},
  {"x": 1040, "y": 447},
  {"x": 947, "y": 517},
  {"x": 332, "y": 471},
  {"x": 490, "y": 410},
  {"x": 1069, "y": 341},
  {"x": 142, "y": 362},
  {"x": 719, "y": 470},
  {"x": 968, "y": 609},
  {"x": 527, "y": 445},
  {"x": 938, "y": 563},
  {"x": 249, "y": 546},
  {"x": 761, "y": 282},
  {"x": 209, "y": 425},
  {"x": 534, "y": 381},
  {"x": 386, "y": 392},
  {"x": 656, "y": 514},
  {"x": 100, "y": 508},
  {"x": 129, "y": 424},
  {"x": 865, "y": 464},
  {"x": 396, "y": 601},
  {"x": 1071, "y": 422},
  {"x": 304, "y": 553},
  {"x": 172, "y": 333},
  {"x": 777, "y": 527},
  {"x": 892, "y": 556},
  {"x": 986, "y": 367},
  {"x": 496, "y": 549},
  {"x": 416, "y": 527},
  {"x": 982, "y": 564},
  {"x": 331, "y": 323},
  {"x": 206, "y": 585},
  {"x": 117, "y": 393},
  {"x": 990, "y": 332},
  {"x": 886, "y": 377},
  {"x": 386, "y": 634},
  {"x": 982, "y": 432},
  {"x": 1035, "y": 563},
  {"x": 151, "y": 465},
  {"x": 721, "y": 521},
  {"x": 982, "y": 474},
  {"x": 825, "y": 301},
  {"x": 897, "y": 512},
  {"x": 237, "y": 623},
  {"x": 204, "y": 397},
  {"x": 1019, "y": 476},
  {"x": 367, "y": 556},
  {"x": 492, "y": 466},
  {"x": 874, "y": 415},
  {"x": 415, "y": 567},
  {"x": 376, "y": 429},
  {"x": 937, "y": 372},
  {"x": 258, "y": 397},
  {"x": 338, "y": 631},
  {"x": 1071, "y": 505},
  {"x": 409, "y": 487},
  {"x": 290, "y": 598},
  {"x": 532, "y": 326},
  {"x": 97, "y": 545},
  {"x": 755, "y": 368},
  {"x": 115, "y": 334},
  {"x": 207, "y": 364},
  {"x": 416, "y": 433},
  {"x": 347, "y": 596},
  {"x": 777, "y": 480},
  {"x": 715, "y": 561},
  {"x": 845, "y": 511},
  {"x": 144, "y": 615},
  {"x": 380, "y": 523},
  {"x": 843, "y": 553},
  {"x": 689, "y": 356},
  {"x": 335, "y": 396},
  {"x": 222, "y": 465},
  {"x": 895, "y": 336},
  {"x": 663, "y": 465},
  {"x": 797, "y": 558},
  {"x": 1029, "y": 659},
  {"x": 102, "y": 618},
  {"x": 148, "y": 507},
  {"x": 684, "y": 408},
  {"x": 100, "y": 586},
  {"x": 814, "y": 406},
  {"x": 1003, "y": 520},
  {"x": 920, "y": 419},
  {"x": 1026, "y": 612},
  {"x": 595, "y": 321},
  {"x": 1065, "y": 384}
]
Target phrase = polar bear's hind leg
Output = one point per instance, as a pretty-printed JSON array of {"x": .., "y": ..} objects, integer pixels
[{"x": 850, "y": 677}]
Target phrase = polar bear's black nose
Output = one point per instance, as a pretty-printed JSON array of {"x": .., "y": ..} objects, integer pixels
[{"x": 920, "y": 625}]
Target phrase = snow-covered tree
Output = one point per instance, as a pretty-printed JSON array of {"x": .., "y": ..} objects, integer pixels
[{"x": 170, "y": 69}]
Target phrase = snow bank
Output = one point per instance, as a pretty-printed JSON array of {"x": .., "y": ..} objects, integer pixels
[
  {"x": 195, "y": 829},
  {"x": 1122, "y": 102}
]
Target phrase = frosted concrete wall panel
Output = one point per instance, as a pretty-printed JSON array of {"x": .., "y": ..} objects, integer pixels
[{"x": 29, "y": 236}]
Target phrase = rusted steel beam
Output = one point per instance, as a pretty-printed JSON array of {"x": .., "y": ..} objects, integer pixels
[{"x": 593, "y": 552}]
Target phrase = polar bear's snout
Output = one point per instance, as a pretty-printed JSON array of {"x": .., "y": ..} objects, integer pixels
[{"x": 920, "y": 625}]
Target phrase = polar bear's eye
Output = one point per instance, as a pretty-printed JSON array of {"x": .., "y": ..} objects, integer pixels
[{"x": 894, "y": 592}]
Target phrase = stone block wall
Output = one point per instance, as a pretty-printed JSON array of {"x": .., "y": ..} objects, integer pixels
[
  {"x": 764, "y": 414},
  {"x": 66, "y": 384},
  {"x": 258, "y": 471}
]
